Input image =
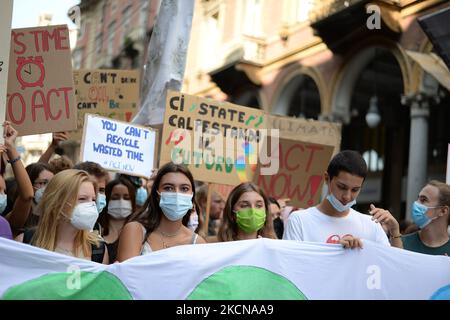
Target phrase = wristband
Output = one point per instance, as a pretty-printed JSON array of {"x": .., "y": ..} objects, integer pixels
[{"x": 13, "y": 160}]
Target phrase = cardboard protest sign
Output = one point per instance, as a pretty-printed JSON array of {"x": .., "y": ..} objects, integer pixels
[
  {"x": 112, "y": 94},
  {"x": 5, "y": 40},
  {"x": 118, "y": 146},
  {"x": 222, "y": 189},
  {"x": 300, "y": 172},
  {"x": 216, "y": 140},
  {"x": 321, "y": 132},
  {"x": 40, "y": 85}
]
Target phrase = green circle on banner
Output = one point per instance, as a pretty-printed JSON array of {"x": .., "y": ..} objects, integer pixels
[
  {"x": 70, "y": 286},
  {"x": 246, "y": 283}
]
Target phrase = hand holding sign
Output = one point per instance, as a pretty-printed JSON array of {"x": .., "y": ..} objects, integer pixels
[
  {"x": 9, "y": 134},
  {"x": 58, "y": 137}
]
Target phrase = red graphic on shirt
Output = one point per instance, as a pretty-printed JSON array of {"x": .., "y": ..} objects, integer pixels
[{"x": 335, "y": 238}]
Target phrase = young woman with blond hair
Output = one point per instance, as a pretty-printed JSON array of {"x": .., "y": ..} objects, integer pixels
[
  {"x": 246, "y": 215},
  {"x": 67, "y": 216}
]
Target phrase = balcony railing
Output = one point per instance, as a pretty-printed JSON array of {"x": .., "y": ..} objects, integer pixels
[{"x": 325, "y": 8}]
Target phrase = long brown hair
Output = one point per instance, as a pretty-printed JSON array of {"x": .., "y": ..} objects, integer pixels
[
  {"x": 150, "y": 214},
  {"x": 104, "y": 217},
  {"x": 229, "y": 229},
  {"x": 61, "y": 195}
]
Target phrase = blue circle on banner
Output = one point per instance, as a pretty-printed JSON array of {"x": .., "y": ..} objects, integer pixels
[{"x": 442, "y": 294}]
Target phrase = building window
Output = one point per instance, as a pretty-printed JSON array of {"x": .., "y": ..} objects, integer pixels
[
  {"x": 302, "y": 9},
  {"x": 143, "y": 14},
  {"x": 113, "y": 6},
  {"x": 99, "y": 44},
  {"x": 111, "y": 34},
  {"x": 77, "y": 57},
  {"x": 253, "y": 22},
  {"x": 126, "y": 16},
  {"x": 295, "y": 11},
  {"x": 374, "y": 161},
  {"x": 102, "y": 13},
  {"x": 81, "y": 30},
  {"x": 212, "y": 33}
]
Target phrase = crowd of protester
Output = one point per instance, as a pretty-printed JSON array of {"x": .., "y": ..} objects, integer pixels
[{"x": 84, "y": 211}]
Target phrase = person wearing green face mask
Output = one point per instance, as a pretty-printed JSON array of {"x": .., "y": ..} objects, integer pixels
[{"x": 246, "y": 215}]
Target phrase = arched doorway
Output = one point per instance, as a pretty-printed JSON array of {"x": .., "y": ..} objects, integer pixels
[
  {"x": 299, "y": 98},
  {"x": 385, "y": 147}
]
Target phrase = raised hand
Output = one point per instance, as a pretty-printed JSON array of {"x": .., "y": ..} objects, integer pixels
[
  {"x": 58, "y": 137},
  {"x": 9, "y": 134},
  {"x": 384, "y": 217}
]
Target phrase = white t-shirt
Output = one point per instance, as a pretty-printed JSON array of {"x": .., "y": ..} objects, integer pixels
[{"x": 314, "y": 226}]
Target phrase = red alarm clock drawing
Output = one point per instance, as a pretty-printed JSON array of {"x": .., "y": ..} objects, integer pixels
[{"x": 30, "y": 71}]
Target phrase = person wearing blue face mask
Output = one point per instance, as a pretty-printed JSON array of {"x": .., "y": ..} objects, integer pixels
[
  {"x": 333, "y": 220},
  {"x": 163, "y": 223},
  {"x": 141, "y": 196},
  {"x": 430, "y": 213}
]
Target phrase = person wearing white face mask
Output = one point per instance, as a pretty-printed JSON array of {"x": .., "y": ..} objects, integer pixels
[
  {"x": 68, "y": 210},
  {"x": 163, "y": 223},
  {"x": 430, "y": 213},
  {"x": 120, "y": 204},
  {"x": 333, "y": 220}
]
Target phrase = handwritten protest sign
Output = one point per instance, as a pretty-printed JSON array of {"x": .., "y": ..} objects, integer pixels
[
  {"x": 112, "y": 94},
  {"x": 5, "y": 40},
  {"x": 321, "y": 132},
  {"x": 195, "y": 127},
  {"x": 118, "y": 146},
  {"x": 40, "y": 85},
  {"x": 300, "y": 173},
  {"x": 213, "y": 138},
  {"x": 222, "y": 189}
]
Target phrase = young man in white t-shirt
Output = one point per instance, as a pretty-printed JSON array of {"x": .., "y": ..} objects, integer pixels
[{"x": 333, "y": 220}]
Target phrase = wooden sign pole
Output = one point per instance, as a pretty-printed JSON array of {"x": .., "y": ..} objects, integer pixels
[{"x": 208, "y": 208}]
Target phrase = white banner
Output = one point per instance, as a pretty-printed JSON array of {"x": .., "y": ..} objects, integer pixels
[
  {"x": 260, "y": 269},
  {"x": 118, "y": 146}
]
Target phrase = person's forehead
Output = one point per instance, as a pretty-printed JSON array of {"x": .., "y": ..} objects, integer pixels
[
  {"x": 274, "y": 207},
  {"x": 101, "y": 181},
  {"x": 250, "y": 196},
  {"x": 175, "y": 178},
  {"x": 119, "y": 188},
  {"x": 216, "y": 197},
  {"x": 87, "y": 188},
  {"x": 348, "y": 179},
  {"x": 45, "y": 174},
  {"x": 431, "y": 192}
]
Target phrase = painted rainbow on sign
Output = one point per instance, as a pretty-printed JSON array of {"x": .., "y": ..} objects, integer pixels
[{"x": 250, "y": 154}]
